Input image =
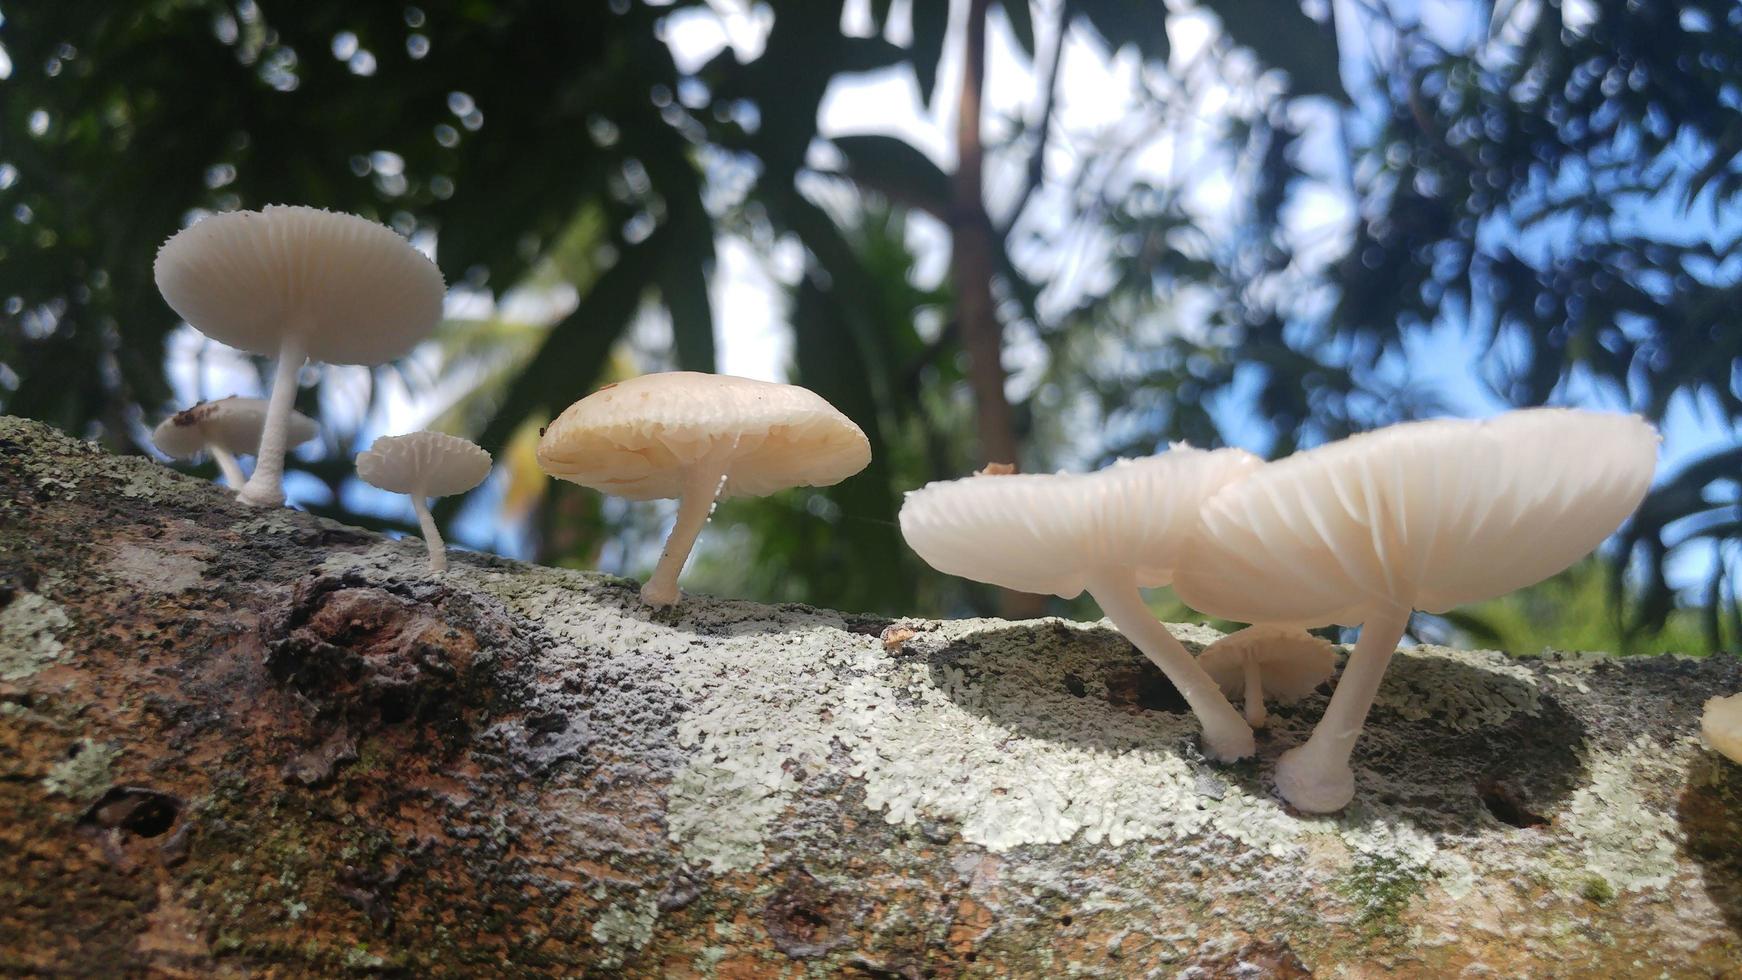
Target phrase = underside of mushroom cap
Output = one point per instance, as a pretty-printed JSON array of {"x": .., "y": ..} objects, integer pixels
[
  {"x": 233, "y": 424},
  {"x": 1425, "y": 515},
  {"x": 1294, "y": 662},
  {"x": 353, "y": 291},
  {"x": 637, "y": 438},
  {"x": 424, "y": 464},
  {"x": 1047, "y": 533}
]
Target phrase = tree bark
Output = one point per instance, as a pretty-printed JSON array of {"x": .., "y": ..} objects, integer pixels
[{"x": 236, "y": 741}]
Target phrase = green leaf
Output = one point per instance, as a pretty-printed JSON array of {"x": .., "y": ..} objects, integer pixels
[
  {"x": 880, "y": 13},
  {"x": 1283, "y": 36},
  {"x": 899, "y": 171},
  {"x": 1142, "y": 23},
  {"x": 574, "y": 354},
  {"x": 1021, "y": 20},
  {"x": 683, "y": 285},
  {"x": 931, "y": 20}
]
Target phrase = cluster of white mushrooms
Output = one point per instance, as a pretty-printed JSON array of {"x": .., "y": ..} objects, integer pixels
[
  {"x": 1426, "y": 515},
  {"x": 1423, "y": 515},
  {"x": 301, "y": 283}
]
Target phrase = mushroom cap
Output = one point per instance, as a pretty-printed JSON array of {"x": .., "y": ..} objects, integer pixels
[
  {"x": 638, "y": 438},
  {"x": 424, "y": 464},
  {"x": 353, "y": 291},
  {"x": 1293, "y": 661},
  {"x": 232, "y": 424},
  {"x": 1047, "y": 533},
  {"x": 1721, "y": 724},
  {"x": 1423, "y": 515}
]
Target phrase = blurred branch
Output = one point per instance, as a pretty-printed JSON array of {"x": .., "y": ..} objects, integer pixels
[{"x": 1037, "y": 161}]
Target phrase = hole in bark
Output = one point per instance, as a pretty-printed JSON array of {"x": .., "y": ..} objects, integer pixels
[
  {"x": 151, "y": 818},
  {"x": 548, "y": 723},
  {"x": 1507, "y": 805},
  {"x": 807, "y": 925},
  {"x": 1074, "y": 684},
  {"x": 970, "y": 956},
  {"x": 1064, "y": 920},
  {"x": 1158, "y": 694},
  {"x": 141, "y": 812},
  {"x": 1144, "y": 687},
  {"x": 395, "y": 706},
  {"x": 804, "y": 920}
]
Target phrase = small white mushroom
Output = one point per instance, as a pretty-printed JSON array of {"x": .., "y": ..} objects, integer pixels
[
  {"x": 298, "y": 283},
  {"x": 423, "y": 465},
  {"x": 226, "y": 428},
  {"x": 1425, "y": 515},
  {"x": 1279, "y": 662},
  {"x": 1721, "y": 724},
  {"x": 1109, "y": 533},
  {"x": 699, "y": 438}
]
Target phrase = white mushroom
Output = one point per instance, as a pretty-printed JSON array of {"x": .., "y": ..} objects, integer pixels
[
  {"x": 1110, "y": 533},
  {"x": 1721, "y": 724},
  {"x": 1280, "y": 662},
  {"x": 298, "y": 283},
  {"x": 1426, "y": 515},
  {"x": 699, "y": 437},
  {"x": 423, "y": 465},
  {"x": 226, "y": 428}
]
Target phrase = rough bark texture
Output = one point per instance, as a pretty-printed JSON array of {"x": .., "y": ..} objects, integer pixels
[{"x": 236, "y": 741}]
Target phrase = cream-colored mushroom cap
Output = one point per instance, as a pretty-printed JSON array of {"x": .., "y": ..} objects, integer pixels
[
  {"x": 636, "y": 439},
  {"x": 1721, "y": 724},
  {"x": 1048, "y": 533},
  {"x": 424, "y": 464},
  {"x": 351, "y": 290},
  {"x": 232, "y": 424},
  {"x": 1424, "y": 515},
  {"x": 1294, "y": 662}
]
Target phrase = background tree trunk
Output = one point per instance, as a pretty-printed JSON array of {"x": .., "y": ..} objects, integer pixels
[
  {"x": 972, "y": 259},
  {"x": 237, "y": 741}
]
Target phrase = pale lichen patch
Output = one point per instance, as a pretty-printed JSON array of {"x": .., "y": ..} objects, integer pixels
[
  {"x": 1622, "y": 836},
  {"x": 85, "y": 772},
  {"x": 30, "y": 626},
  {"x": 156, "y": 569},
  {"x": 623, "y": 929}
]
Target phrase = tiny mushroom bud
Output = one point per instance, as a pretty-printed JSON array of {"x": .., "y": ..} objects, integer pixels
[
  {"x": 1425, "y": 515},
  {"x": 1109, "y": 533},
  {"x": 698, "y": 438},
  {"x": 1280, "y": 662},
  {"x": 422, "y": 465},
  {"x": 226, "y": 428},
  {"x": 1721, "y": 724},
  {"x": 298, "y": 283}
]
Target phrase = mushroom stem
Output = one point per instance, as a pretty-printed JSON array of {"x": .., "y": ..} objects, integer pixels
[
  {"x": 1226, "y": 737},
  {"x": 266, "y": 487},
  {"x": 1315, "y": 776},
  {"x": 432, "y": 535},
  {"x": 1253, "y": 696},
  {"x": 227, "y": 465},
  {"x": 701, "y": 486}
]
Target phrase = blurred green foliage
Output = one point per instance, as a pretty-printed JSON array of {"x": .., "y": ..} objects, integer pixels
[{"x": 1561, "y": 190}]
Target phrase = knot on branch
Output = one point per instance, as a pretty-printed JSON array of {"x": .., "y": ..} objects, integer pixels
[{"x": 369, "y": 655}]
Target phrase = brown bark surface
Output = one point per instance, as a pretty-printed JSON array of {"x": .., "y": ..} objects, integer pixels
[{"x": 250, "y": 742}]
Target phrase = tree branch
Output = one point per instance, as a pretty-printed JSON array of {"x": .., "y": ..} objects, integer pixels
[
  {"x": 246, "y": 742},
  {"x": 1036, "y": 172}
]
